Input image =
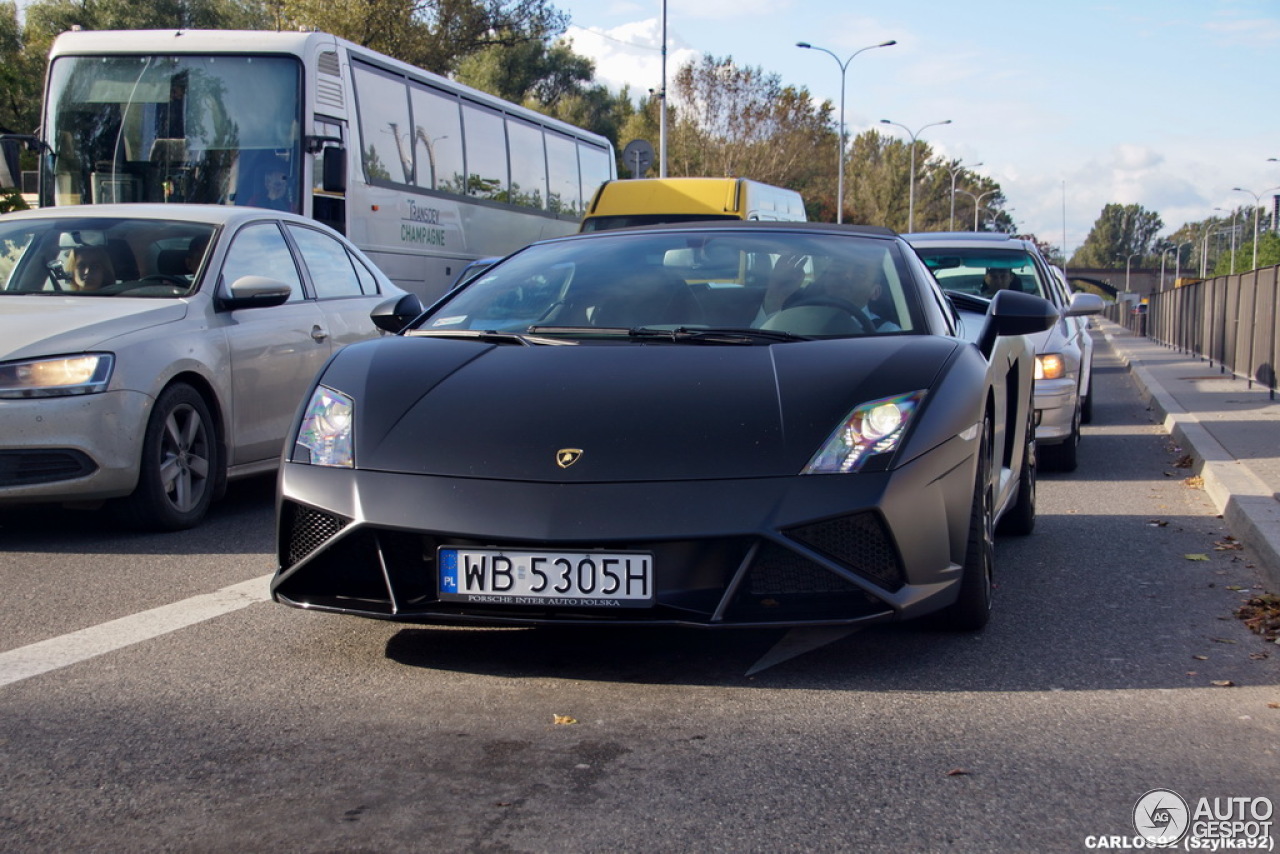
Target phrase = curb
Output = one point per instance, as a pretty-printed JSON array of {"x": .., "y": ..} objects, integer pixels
[{"x": 1247, "y": 504}]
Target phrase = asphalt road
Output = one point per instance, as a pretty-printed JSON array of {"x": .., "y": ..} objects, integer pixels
[{"x": 265, "y": 728}]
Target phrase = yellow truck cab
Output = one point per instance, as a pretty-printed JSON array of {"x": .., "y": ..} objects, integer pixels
[{"x": 649, "y": 201}]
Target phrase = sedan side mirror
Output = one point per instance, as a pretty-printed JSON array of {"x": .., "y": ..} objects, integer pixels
[
  {"x": 255, "y": 292},
  {"x": 1082, "y": 304},
  {"x": 396, "y": 313}
]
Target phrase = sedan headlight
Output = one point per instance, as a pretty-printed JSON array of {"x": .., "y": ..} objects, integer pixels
[
  {"x": 872, "y": 428},
  {"x": 1050, "y": 366},
  {"x": 87, "y": 373},
  {"x": 325, "y": 431}
]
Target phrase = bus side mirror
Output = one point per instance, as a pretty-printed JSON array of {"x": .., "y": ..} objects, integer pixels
[{"x": 334, "y": 166}]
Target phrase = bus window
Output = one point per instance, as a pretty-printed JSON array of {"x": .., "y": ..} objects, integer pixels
[
  {"x": 597, "y": 167},
  {"x": 437, "y": 139},
  {"x": 563, "y": 194},
  {"x": 528, "y": 165},
  {"x": 383, "y": 104},
  {"x": 486, "y": 153}
]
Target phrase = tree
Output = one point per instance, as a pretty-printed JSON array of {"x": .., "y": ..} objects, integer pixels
[
  {"x": 20, "y": 75},
  {"x": 432, "y": 34},
  {"x": 1119, "y": 231},
  {"x": 1268, "y": 255},
  {"x": 728, "y": 120}
]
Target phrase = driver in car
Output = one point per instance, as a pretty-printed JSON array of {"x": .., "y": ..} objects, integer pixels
[{"x": 90, "y": 267}]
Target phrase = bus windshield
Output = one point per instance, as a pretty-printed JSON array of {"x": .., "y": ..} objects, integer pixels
[{"x": 200, "y": 129}]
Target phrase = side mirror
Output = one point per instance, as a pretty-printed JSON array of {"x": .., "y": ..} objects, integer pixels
[
  {"x": 1015, "y": 313},
  {"x": 1082, "y": 304},
  {"x": 395, "y": 314},
  {"x": 333, "y": 164},
  {"x": 255, "y": 292}
]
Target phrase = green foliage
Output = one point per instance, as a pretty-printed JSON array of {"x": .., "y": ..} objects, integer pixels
[
  {"x": 1119, "y": 231},
  {"x": 1268, "y": 255},
  {"x": 11, "y": 200},
  {"x": 432, "y": 34}
]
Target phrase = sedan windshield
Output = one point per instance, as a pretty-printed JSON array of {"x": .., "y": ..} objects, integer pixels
[
  {"x": 794, "y": 284},
  {"x": 982, "y": 271},
  {"x": 99, "y": 257}
]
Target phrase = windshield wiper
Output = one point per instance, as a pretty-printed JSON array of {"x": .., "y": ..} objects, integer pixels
[
  {"x": 492, "y": 336},
  {"x": 681, "y": 334}
]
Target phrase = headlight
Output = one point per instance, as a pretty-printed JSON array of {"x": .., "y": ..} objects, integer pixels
[
  {"x": 325, "y": 431},
  {"x": 1051, "y": 366},
  {"x": 82, "y": 374},
  {"x": 872, "y": 428}
]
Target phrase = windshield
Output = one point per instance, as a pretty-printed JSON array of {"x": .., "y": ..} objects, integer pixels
[
  {"x": 96, "y": 257},
  {"x": 201, "y": 129},
  {"x": 792, "y": 283},
  {"x": 981, "y": 271}
]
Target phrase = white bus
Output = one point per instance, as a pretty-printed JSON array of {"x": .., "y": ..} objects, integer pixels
[{"x": 422, "y": 173}]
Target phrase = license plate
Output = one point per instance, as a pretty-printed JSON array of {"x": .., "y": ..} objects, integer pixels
[{"x": 574, "y": 579}]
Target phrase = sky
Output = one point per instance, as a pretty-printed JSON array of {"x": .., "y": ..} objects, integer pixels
[{"x": 1069, "y": 105}]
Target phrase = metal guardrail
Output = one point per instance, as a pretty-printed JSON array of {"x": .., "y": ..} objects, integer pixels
[{"x": 1229, "y": 320}]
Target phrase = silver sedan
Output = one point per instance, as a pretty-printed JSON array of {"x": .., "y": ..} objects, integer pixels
[
  {"x": 984, "y": 263},
  {"x": 150, "y": 353}
]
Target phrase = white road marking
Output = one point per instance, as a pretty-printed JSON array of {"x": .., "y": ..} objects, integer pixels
[{"x": 46, "y": 655}]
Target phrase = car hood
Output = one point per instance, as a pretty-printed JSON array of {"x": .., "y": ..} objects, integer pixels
[
  {"x": 633, "y": 411},
  {"x": 1052, "y": 340},
  {"x": 33, "y": 326}
]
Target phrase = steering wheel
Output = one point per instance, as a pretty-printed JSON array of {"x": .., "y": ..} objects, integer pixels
[
  {"x": 57, "y": 275},
  {"x": 827, "y": 301},
  {"x": 166, "y": 279}
]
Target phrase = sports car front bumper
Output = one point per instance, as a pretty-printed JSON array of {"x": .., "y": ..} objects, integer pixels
[{"x": 825, "y": 549}]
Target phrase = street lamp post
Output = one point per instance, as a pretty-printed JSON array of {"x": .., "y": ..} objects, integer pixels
[
  {"x": 1234, "y": 214},
  {"x": 1127, "y": 262},
  {"x": 1257, "y": 209},
  {"x": 1164, "y": 254},
  {"x": 977, "y": 203},
  {"x": 959, "y": 167},
  {"x": 911, "y": 188},
  {"x": 1177, "y": 260},
  {"x": 844, "y": 66},
  {"x": 1204, "y": 249}
]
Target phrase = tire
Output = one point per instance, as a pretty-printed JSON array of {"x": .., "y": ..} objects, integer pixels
[
  {"x": 1020, "y": 519},
  {"x": 1086, "y": 407},
  {"x": 1062, "y": 456},
  {"x": 180, "y": 465},
  {"x": 972, "y": 608}
]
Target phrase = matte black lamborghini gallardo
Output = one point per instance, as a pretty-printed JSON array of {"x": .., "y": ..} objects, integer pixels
[{"x": 712, "y": 425}]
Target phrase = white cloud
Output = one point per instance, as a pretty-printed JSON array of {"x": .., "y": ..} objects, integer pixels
[{"x": 630, "y": 55}]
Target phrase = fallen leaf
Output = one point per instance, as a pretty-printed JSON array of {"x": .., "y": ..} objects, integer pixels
[
  {"x": 1196, "y": 482},
  {"x": 1184, "y": 462},
  {"x": 564, "y": 720},
  {"x": 1222, "y": 640},
  {"x": 1158, "y": 523},
  {"x": 1200, "y": 657},
  {"x": 1223, "y": 683},
  {"x": 1236, "y": 587},
  {"x": 957, "y": 772},
  {"x": 1259, "y": 656},
  {"x": 1273, "y": 705},
  {"x": 1196, "y": 557}
]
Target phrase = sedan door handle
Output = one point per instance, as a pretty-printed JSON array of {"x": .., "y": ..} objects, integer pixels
[{"x": 318, "y": 334}]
